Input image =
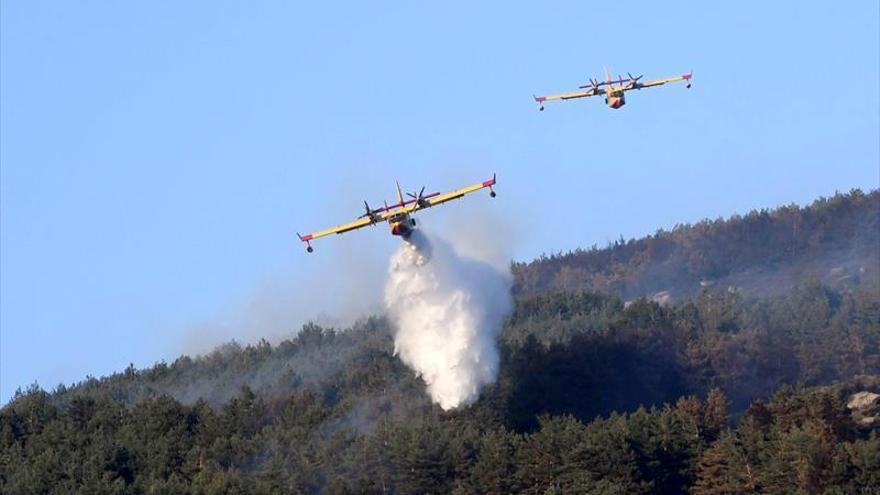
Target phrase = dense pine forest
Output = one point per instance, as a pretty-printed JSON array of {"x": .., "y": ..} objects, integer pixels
[{"x": 755, "y": 372}]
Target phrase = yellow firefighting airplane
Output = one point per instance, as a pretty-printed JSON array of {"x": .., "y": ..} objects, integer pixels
[
  {"x": 398, "y": 215},
  {"x": 613, "y": 90}
]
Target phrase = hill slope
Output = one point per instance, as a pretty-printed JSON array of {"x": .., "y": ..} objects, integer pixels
[
  {"x": 337, "y": 412},
  {"x": 766, "y": 252}
]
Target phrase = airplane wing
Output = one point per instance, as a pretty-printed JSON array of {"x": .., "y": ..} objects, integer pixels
[
  {"x": 339, "y": 229},
  {"x": 660, "y": 82},
  {"x": 570, "y": 96},
  {"x": 442, "y": 198}
]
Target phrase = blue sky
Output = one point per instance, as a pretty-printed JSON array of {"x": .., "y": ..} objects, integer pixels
[{"x": 156, "y": 158}]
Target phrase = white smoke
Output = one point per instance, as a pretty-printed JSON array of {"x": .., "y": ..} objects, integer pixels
[{"x": 448, "y": 311}]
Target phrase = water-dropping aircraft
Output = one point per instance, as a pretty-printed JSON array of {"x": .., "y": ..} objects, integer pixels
[
  {"x": 399, "y": 215},
  {"x": 612, "y": 89}
]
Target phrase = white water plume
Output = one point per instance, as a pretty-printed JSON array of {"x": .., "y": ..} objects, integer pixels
[{"x": 447, "y": 311}]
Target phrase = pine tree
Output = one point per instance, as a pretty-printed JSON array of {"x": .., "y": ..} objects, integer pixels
[
  {"x": 495, "y": 467},
  {"x": 723, "y": 470},
  {"x": 715, "y": 416},
  {"x": 549, "y": 459},
  {"x": 421, "y": 460}
]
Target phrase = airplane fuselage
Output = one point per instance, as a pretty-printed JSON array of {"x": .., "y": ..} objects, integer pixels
[
  {"x": 402, "y": 224},
  {"x": 615, "y": 99}
]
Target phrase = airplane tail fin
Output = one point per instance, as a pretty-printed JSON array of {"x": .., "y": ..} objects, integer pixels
[{"x": 399, "y": 194}]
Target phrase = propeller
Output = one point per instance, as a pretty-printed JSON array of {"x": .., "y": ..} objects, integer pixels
[
  {"x": 594, "y": 84},
  {"x": 369, "y": 213},
  {"x": 634, "y": 81},
  {"x": 419, "y": 198}
]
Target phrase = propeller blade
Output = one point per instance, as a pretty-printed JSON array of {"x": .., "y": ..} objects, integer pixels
[{"x": 591, "y": 85}]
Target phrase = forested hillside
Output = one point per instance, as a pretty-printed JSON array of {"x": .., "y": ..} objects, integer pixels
[
  {"x": 716, "y": 391},
  {"x": 834, "y": 240},
  {"x": 337, "y": 411}
]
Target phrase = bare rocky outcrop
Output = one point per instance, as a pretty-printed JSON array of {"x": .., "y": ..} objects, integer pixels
[
  {"x": 663, "y": 298},
  {"x": 865, "y": 407}
]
